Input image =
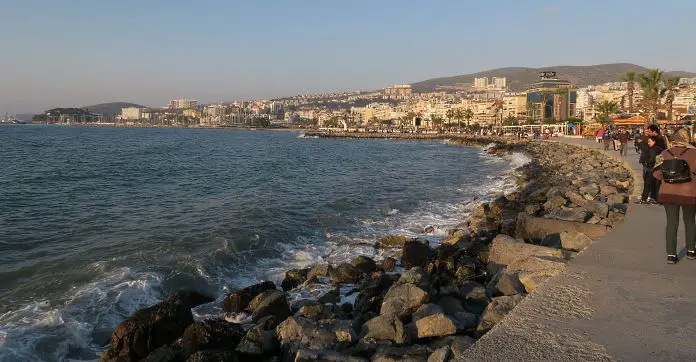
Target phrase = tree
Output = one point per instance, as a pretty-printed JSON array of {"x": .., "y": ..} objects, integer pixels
[
  {"x": 509, "y": 120},
  {"x": 468, "y": 115},
  {"x": 450, "y": 114},
  {"x": 459, "y": 115},
  {"x": 653, "y": 88},
  {"x": 605, "y": 109},
  {"x": 671, "y": 86},
  {"x": 436, "y": 120},
  {"x": 630, "y": 78}
]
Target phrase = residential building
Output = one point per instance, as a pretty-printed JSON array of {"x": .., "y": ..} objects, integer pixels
[
  {"x": 481, "y": 83},
  {"x": 499, "y": 82},
  {"x": 131, "y": 113},
  {"x": 515, "y": 104},
  {"x": 687, "y": 81},
  {"x": 182, "y": 103},
  {"x": 398, "y": 91}
]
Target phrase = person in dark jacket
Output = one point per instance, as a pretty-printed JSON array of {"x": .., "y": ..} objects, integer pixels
[
  {"x": 678, "y": 197},
  {"x": 648, "y": 158},
  {"x": 623, "y": 138}
]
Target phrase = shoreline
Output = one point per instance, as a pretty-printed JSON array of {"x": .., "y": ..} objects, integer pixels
[{"x": 444, "y": 298}]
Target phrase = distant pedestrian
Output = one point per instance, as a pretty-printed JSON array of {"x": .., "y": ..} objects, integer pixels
[
  {"x": 623, "y": 138},
  {"x": 606, "y": 138},
  {"x": 678, "y": 192}
]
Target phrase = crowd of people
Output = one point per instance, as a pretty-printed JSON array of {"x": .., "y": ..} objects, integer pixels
[{"x": 668, "y": 158}]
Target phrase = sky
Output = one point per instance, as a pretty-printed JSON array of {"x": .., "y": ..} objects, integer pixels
[{"x": 83, "y": 52}]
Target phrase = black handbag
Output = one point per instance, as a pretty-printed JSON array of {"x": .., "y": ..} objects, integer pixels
[{"x": 676, "y": 170}]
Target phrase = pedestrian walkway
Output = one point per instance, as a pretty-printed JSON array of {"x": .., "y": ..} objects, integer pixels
[{"x": 619, "y": 299}]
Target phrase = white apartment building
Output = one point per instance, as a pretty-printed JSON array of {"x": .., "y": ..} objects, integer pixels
[
  {"x": 131, "y": 113},
  {"x": 687, "y": 81},
  {"x": 481, "y": 83},
  {"x": 514, "y": 105},
  {"x": 499, "y": 82},
  {"x": 182, "y": 103}
]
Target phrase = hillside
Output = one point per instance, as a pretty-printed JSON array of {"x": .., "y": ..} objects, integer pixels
[
  {"x": 519, "y": 78},
  {"x": 111, "y": 108}
]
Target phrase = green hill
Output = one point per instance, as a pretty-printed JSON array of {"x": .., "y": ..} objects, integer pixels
[
  {"x": 111, "y": 108},
  {"x": 518, "y": 78}
]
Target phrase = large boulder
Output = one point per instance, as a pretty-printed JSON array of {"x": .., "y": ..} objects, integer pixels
[
  {"x": 554, "y": 202},
  {"x": 270, "y": 303},
  {"x": 364, "y": 264},
  {"x": 573, "y": 240},
  {"x": 414, "y": 353},
  {"x": 317, "y": 271},
  {"x": 575, "y": 198},
  {"x": 534, "y": 228},
  {"x": 258, "y": 344},
  {"x": 415, "y": 254},
  {"x": 570, "y": 214},
  {"x": 294, "y": 278},
  {"x": 345, "y": 273},
  {"x": 457, "y": 344},
  {"x": 402, "y": 300},
  {"x": 441, "y": 354},
  {"x": 371, "y": 294},
  {"x": 505, "y": 251},
  {"x": 505, "y": 284},
  {"x": 426, "y": 310},
  {"x": 472, "y": 294},
  {"x": 388, "y": 264},
  {"x": 210, "y": 334},
  {"x": 213, "y": 355},
  {"x": 597, "y": 208},
  {"x": 393, "y": 242},
  {"x": 325, "y": 334},
  {"x": 152, "y": 327},
  {"x": 238, "y": 300},
  {"x": 496, "y": 311},
  {"x": 435, "y": 325},
  {"x": 384, "y": 328}
]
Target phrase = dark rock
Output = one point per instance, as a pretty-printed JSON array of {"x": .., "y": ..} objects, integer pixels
[
  {"x": 532, "y": 209},
  {"x": 457, "y": 344},
  {"x": 393, "y": 242},
  {"x": 473, "y": 297},
  {"x": 414, "y": 353},
  {"x": 440, "y": 355},
  {"x": 333, "y": 296},
  {"x": 597, "y": 208},
  {"x": 415, "y": 254},
  {"x": 165, "y": 353},
  {"x": 496, "y": 311},
  {"x": 384, "y": 328},
  {"x": 239, "y": 300},
  {"x": 402, "y": 300},
  {"x": 465, "y": 321},
  {"x": 590, "y": 190},
  {"x": 258, "y": 344},
  {"x": 575, "y": 198},
  {"x": 371, "y": 294},
  {"x": 450, "y": 305},
  {"x": 554, "y": 203},
  {"x": 426, "y": 310},
  {"x": 321, "y": 270},
  {"x": 364, "y": 264},
  {"x": 270, "y": 302},
  {"x": 505, "y": 284},
  {"x": 210, "y": 334},
  {"x": 429, "y": 229},
  {"x": 294, "y": 278},
  {"x": 325, "y": 334},
  {"x": 388, "y": 264},
  {"x": 152, "y": 327},
  {"x": 575, "y": 215},
  {"x": 457, "y": 237},
  {"x": 345, "y": 273}
]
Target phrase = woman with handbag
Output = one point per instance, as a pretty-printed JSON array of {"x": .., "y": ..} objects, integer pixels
[{"x": 675, "y": 167}]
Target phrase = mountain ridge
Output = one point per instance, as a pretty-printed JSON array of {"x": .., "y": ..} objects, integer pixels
[
  {"x": 518, "y": 78},
  {"x": 111, "y": 107}
]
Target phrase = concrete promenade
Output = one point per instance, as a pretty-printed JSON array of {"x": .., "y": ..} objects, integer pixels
[{"x": 619, "y": 299}]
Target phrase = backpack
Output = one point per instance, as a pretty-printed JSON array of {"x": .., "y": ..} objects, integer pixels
[{"x": 676, "y": 170}]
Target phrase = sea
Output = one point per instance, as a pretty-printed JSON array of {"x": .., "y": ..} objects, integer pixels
[{"x": 98, "y": 222}]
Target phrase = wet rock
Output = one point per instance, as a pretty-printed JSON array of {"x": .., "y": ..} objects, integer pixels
[
  {"x": 554, "y": 203},
  {"x": 402, "y": 300},
  {"x": 496, "y": 311},
  {"x": 210, "y": 334},
  {"x": 270, "y": 302},
  {"x": 384, "y": 328},
  {"x": 258, "y": 344},
  {"x": 312, "y": 355},
  {"x": 388, "y": 264},
  {"x": 345, "y": 273},
  {"x": 393, "y": 242},
  {"x": 320, "y": 270},
  {"x": 458, "y": 237},
  {"x": 294, "y": 278},
  {"x": 364, "y": 264},
  {"x": 239, "y": 300},
  {"x": 415, "y": 254},
  {"x": 450, "y": 305},
  {"x": 428, "y": 229},
  {"x": 333, "y": 296},
  {"x": 371, "y": 294},
  {"x": 573, "y": 240},
  {"x": 152, "y": 327},
  {"x": 435, "y": 325}
]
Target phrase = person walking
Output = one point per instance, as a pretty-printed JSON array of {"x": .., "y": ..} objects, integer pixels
[
  {"x": 606, "y": 138},
  {"x": 648, "y": 157},
  {"x": 678, "y": 192},
  {"x": 624, "y": 137},
  {"x": 637, "y": 139}
]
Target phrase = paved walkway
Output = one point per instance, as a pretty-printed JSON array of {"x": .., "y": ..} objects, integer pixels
[{"x": 619, "y": 300}]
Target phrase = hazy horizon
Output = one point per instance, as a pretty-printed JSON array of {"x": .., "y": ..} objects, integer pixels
[{"x": 82, "y": 53}]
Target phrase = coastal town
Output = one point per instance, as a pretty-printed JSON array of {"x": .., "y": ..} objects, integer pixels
[{"x": 487, "y": 103}]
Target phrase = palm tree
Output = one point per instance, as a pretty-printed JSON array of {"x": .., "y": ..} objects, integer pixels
[
  {"x": 436, "y": 120},
  {"x": 653, "y": 90},
  {"x": 468, "y": 114},
  {"x": 544, "y": 97},
  {"x": 450, "y": 114},
  {"x": 630, "y": 78},
  {"x": 607, "y": 108},
  {"x": 459, "y": 115},
  {"x": 670, "y": 86}
]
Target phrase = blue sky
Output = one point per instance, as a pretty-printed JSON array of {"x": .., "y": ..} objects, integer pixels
[{"x": 81, "y": 52}]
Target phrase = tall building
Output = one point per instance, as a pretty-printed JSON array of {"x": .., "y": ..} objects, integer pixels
[
  {"x": 551, "y": 97},
  {"x": 182, "y": 103},
  {"x": 499, "y": 82},
  {"x": 399, "y": 90},
  {"x": 131, "y": 113},
  {"x": 481, "y": 83}
]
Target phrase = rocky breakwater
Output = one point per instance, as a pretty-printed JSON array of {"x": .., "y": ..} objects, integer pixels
[{"x": 426, "y": 303}]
